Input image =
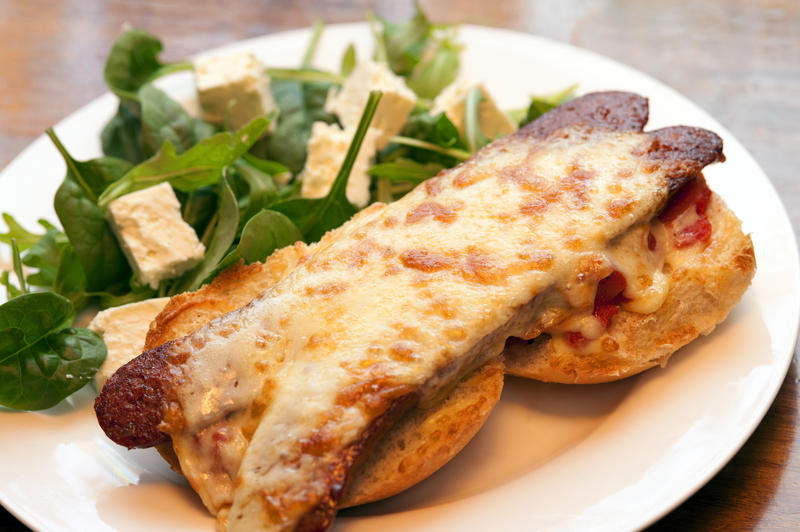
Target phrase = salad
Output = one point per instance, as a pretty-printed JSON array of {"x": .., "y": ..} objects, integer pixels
[{"x": 248, "y": 179}]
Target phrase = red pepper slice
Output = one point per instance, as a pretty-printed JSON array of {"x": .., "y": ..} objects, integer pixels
[
  {"x": 576, "y": 339},
  {"x": 694, "y": 193},
  {"x": 610, "y": 288},
  {"x": 700, "y": 231}
]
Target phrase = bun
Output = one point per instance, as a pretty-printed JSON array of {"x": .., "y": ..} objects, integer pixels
[
  {"x": 705, "y": 284},
  {"x": 423, "y": 441}
]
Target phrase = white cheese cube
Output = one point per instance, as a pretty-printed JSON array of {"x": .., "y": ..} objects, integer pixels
[
  {"x": 156, "y": 241},
  {"x": 492, "y": 120},
  {"x": 123, "y": 330},
  {"x": 235, "y": 86},
  {"x": 327, "y": 148},
  {"x": 396, "y": 104}
]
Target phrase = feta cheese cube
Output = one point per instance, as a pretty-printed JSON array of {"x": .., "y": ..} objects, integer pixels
[
  {"x": 124, "y": 329},
  {"x": 492, "y": 120},
  {"x": 396, "y": 104},
  {"x": 156, "y": 241},
  {"x": 327, "y": 148},
  {"x": 235, "y": 86}
]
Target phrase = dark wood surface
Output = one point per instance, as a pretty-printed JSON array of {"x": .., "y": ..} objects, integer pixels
[{"x": 738, "y": 59}]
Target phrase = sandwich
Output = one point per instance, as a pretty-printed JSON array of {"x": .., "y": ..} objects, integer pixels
[{"x": 270, "y": 408}]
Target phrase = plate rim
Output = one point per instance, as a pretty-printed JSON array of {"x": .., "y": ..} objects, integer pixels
[{"x": 779, "y": 373}]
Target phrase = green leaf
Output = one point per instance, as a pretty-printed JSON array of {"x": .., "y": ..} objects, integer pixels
[
  {"x": 472, "y": 130},
  {"x": 261, "y": 189},
  {"x": 87, "y": 229},
  {"x": 11, "y": 291},
  {"x": 305, "y": 75},
  {"x": 300, "y": 105},
  {"x": 44, "y": 256},
  {"x": 405, "y": 171},
  {"x": 117, "y": 296},
  {"x": 70, "y": 281},
  {"x": 348, "y": 61},
  {"x": 223, "y": 236},
  {"x": 199, "y": 207},
  {"x": 316, "y": 33},
  {"x": 203, "y": 129},
  {"x": 84, "y": 222},
  {"x": 133, "y": 62},
  {"x": 264, "y": 233},
  {"x": 544, "y": 103},
  {"x": 434, "y": 138},
  {"x": 121, "y": 136},
  {"x": 93, "y": 175},
  {"x": 24, "y": 238},
  {"x": 273, "y": 168},
  {"x": 435, "y": 72},
  {"x": 163, "y": 119},
  {"x": 46, "y": 372},
  {"x": 17, "y": 262},
  {"x": 198, "y": 166},
  {"x": 314, "y": 217},
  {"x": 405, "y": 42},
  {"x": 35, "y": 316}
]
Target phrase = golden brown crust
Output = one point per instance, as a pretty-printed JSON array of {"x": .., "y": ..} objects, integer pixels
[
  {"x": 704, "y": 287},
  {"x": 423, "y": 440},
  {"x": 231, "y": 289}
]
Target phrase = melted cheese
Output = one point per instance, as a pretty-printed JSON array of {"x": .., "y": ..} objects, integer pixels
[
  {"x": 642, "y": 268},
  {"x": 315, "y": 359}
]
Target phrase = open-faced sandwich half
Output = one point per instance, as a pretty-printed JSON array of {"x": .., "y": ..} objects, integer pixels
[{"x": 364, "y": 362}]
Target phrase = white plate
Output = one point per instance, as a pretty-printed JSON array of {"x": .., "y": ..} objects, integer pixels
[{"x": 614, "y": 456}]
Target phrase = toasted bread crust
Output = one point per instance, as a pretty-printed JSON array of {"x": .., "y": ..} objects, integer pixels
[
  {"x": 425, "y": 439},
  {"x": 704, "y": 286},
  {"x": 422, "y": 441}
]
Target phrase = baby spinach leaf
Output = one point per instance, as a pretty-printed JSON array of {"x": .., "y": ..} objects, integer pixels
[
  {"x": 300, "y": 105},
  {"x": 121, "y": 136},
  {"x": 70, "y": 280},
  {"x": 436, "y": 70},
  {"x": 24, "y": 238},
  {"x": 198, "y": 207},
  {"x": 403, "y": 170},
  {"x": 133, "y": 62},
  {"x": 472, "y": 130},
  {"x": 404, "y": 42},
  {"x": 348, "y": 60},
  {"x": 419, "y": 50},
  {"x": 33, "y": 316},
  {"x": 87, "y": 229},
  {"x": 118, "y": 295},
  {"x": 11, "y": 292},
  {"x": 93, "y": 175},
  {"x": 424, "y": 133},
  {"x": 304, "y": 75},
  {"x": 84, "y": 222},
  {"x": 316, "y": 33},
  {"x": 164, "y": 119},
  {"x": 279, "y": 172},
  {"x": 198, "y": 166},
  {"x": 223, "y": 236},
  {"x": 44, "y": 255},
  {"x": 262, "y": 234},
  {"x": 541, "y": 104},
  {"x": 203, "y": 129},
  {"x": 261, "y": 189},
  {"x": 17, "y": 264},
  {"x": 45, "y": 372},
  {"x": 314, "y": 217}
]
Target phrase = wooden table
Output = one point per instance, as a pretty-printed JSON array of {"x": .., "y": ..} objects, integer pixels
[{"x": 738, "y": 59}]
